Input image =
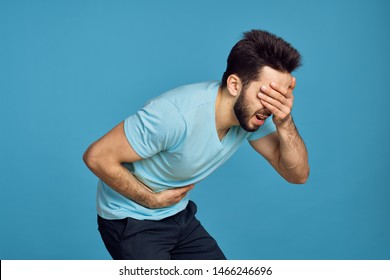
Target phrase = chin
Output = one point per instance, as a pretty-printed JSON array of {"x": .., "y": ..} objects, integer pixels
[{"x": 250, "y": 128}]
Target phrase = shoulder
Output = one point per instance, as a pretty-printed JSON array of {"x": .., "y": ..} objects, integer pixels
[{"x": 188, "y": 97}]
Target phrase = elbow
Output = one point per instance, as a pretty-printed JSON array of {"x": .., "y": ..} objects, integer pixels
[
  {"x": 299, "y": 181},
  {"x": 300, "y": 178},
  {"x": 91, "y": 158}
]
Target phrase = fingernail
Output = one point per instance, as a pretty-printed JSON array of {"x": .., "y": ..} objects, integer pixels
[
  {"x": 261, "y": 94},
  {"x": 263, "y": 88},
  {"x": 273, "y": 84}
]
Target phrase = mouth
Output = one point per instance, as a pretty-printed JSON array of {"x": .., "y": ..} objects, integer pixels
[
  {"x": 261, "y": 116},
  {"x": 260, "y": 119}
]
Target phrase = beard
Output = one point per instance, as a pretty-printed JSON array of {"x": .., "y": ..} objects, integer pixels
[{"x": 244, "y": 114}]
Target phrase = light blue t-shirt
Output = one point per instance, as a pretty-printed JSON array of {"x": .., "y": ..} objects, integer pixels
[{"x": 175, "y": 134}]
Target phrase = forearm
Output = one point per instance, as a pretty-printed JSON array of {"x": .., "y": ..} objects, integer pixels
[
  {"x": 105, "y": 157},
  {"x": 293, "y": 160},
  {"x": 123, "y": 181}
]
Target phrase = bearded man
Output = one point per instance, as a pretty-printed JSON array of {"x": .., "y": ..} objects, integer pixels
[{"x": 148, "y": 164}]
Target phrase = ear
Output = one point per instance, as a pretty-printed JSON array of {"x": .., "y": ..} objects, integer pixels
[{"x": 234, "y": 85}]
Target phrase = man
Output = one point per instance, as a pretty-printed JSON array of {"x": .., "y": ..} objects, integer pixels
[{"x": 148, "y": 163}]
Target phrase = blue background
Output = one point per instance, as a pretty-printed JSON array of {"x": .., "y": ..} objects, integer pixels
[{"x": 71, "y": 70}]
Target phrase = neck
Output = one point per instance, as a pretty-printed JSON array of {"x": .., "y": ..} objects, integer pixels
[{"x": 224, "y": 112}]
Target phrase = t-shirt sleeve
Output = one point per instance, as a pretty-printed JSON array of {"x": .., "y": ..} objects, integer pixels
[
  {"x": 156, "y": 127},
  {"x": 267, "y": 128}
]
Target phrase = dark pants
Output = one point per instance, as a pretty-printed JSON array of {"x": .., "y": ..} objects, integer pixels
[{"x": 180, "y": 237}]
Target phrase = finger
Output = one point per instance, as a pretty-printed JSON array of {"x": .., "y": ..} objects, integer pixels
[
  {"x": 181, "y": 195},
  {"x": 171, "y": 196},
  {"x": 270, "y": 107},
  {"x": 271, "y": 99},
  {"x": 276, "y": 111},
  {"x": 278, "y": 88},
  {"x": 267, "y": 93},
  {"x": 185, "y": 189}
]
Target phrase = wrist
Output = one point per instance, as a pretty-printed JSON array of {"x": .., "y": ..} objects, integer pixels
[
  {"x": 153, "y": 202},
  {"x": 150, "y": 199},
  {"x": 144, "y": 195},
  {"x": 285, "y": 124}
]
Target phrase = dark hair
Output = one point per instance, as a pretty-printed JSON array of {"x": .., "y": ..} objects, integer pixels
[{"x": 257, "y": 49}]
